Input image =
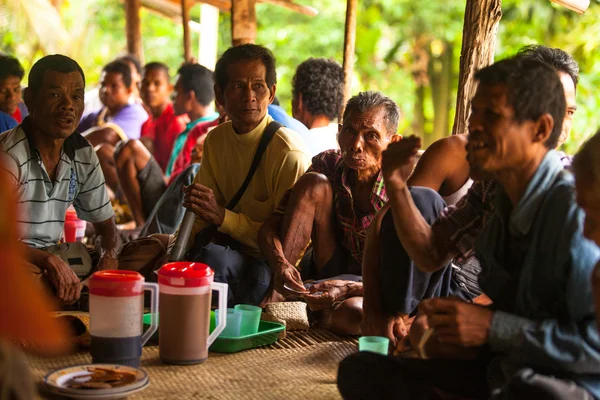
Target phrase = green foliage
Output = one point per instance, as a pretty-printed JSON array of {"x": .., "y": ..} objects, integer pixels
[{"x": 399, "y": 45}]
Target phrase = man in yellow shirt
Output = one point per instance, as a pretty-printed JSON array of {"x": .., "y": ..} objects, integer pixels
[{"x": 245, "y": 82}]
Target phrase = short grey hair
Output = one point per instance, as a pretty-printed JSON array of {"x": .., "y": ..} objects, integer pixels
[
  {"x": 587, "y": 162},
  {"x": 369, "y": 100}
]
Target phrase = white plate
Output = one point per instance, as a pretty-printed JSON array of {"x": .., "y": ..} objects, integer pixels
[
  {"x": 57, "y": 380},
  {"x": 294, "y": 290},
  {"x": 92, "y": 396}
]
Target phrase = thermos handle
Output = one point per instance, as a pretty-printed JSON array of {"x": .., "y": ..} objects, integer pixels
[
  {"x": 222, "y": 310},
  {"x": 153, "y": 288}
]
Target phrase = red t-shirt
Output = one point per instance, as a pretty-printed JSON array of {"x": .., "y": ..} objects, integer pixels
[
  {"x": 184, "y": 158},
  {"x": 17, "y": 116},
  {"x": 163, "y": 131}
]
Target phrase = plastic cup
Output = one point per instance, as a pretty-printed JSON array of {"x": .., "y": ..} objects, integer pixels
[
  {"x": 374, "y": 344},
  {"x": 234, "y": 321},
  {"x": 250, "y": 318}
]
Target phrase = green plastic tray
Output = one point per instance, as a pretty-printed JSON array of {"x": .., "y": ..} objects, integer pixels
[{"x": 267, "y": 334}]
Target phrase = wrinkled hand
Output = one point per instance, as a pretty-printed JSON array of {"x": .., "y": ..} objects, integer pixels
[
  {"x": 324, "y": 294},
  {"x": 64, "y": 280},
  {"x": 201, "y": 200},
  {"x": 107, "y": 262},
  {"x": 399, "y": 159},
  {"x": 457, "y": 322},
  {"x": 391, "y": 327},
  {"x": 287, "y": 274}
]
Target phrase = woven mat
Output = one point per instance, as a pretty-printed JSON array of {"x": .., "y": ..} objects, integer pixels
[{"x": 302, "y": 366}]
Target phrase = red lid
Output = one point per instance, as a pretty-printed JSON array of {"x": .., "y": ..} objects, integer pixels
[
  {"x": 71, "y": 214},
  {"x": 185, "y": 274},
  {"x": 116, "y": 283}
]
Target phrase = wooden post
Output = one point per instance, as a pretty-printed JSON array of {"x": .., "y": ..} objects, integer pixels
[
  {"x": 479, "y": 39},
  {"x": 187, "y": 38},
  {"x": 349, "y": 47},
  {"x": 209, "y": 36},
  {"x": 133, "y": 28},
  {"x": 243, "y": 22}
]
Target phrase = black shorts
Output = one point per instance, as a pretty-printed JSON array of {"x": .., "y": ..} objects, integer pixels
[
  {"x": 340, "y": 263},
  {"x": 152, "y": 185}
]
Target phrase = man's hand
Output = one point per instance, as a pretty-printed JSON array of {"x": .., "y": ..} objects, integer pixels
[
  {"x": 323, "y": 294},
  {"x": 107, "y": 262},
  {"x": 457, "y": 322},
  {"x": 378, "y": 324},
  {"x": 399, "y": 159},
  {"x": 286, "y": 274},
  {"x": 64, "y": 280},
  {"x": 201, "y": 200}
]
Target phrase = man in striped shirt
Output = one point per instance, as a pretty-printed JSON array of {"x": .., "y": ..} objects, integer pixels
[{"x": 51, "y": 168}]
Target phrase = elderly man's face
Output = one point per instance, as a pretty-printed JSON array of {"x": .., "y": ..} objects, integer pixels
[
  {"x": 58, "y": 105},
  {"x": 569, "y": 87},
  {"x": 496, "y": 140},
  {"x": 362, "y": 138},
  {"x": 247, "y": 95}
]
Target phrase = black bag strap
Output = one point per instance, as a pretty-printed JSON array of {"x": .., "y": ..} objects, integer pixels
[{"x": 260, "y": 150}]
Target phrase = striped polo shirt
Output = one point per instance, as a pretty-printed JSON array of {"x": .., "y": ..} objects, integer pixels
[{"x": 42, "y": 203}]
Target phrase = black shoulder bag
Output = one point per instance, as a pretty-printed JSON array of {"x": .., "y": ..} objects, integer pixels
[{"x": 207, "y": 234}]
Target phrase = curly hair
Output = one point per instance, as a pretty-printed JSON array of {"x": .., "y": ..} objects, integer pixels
[{"x": 321, "y": 84}]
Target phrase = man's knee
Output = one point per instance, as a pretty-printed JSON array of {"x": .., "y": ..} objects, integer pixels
[
  {"x": 428, "y": 202},
  {"x": 129, "y": 150},
  {"x": 347, "y": 316},
  {"x": 224, "y": 261},
  {"x": 105, "y": 152},
  {"x": 313, "y": 187}
]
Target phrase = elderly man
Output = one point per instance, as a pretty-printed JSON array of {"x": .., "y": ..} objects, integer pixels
[
  {"x": 53, "y": 168},
  {"x": 539, "y": 338},
  {"x": 318, "y": 93},
  {"x": 245, "y": 82},
  {"x": 333, "y": 205}
]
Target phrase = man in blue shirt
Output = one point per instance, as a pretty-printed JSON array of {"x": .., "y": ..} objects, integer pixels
[{"x": 538, "y": 339}]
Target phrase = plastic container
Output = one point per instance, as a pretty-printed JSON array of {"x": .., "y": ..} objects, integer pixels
[
  {"x": 185, "y": 299},
  {"x": 116, "y": 310},
  {"x": 374, "y": 344},
  {"x": 267, "y": 334},
  {"x": 234, "y": 322},
  {"x": 250, "y": 318},
  {"x": 74, "y": 229}
]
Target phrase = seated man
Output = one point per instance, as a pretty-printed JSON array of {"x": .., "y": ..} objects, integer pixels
[
  {"x": 443, "y": 167},
  {"x": 53, "y": 167},
  {"x": 162, "y": 127},
  {"x": 11, "y": 73},
  {"x": 140, "y": 176},
  {"x": 333, "y": 205},
  {"x": 539, "y": 337},
  {"x": 245, "y": 82},
  {"x": 119, "y": 119},
  {"x": 280, "y": 115},
  {"x": 317, "y": 97}
]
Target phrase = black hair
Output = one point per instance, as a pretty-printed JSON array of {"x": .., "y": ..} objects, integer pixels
[
  {"x": 321, "y": 83},
  {"x": 533, "y": 89},
  {"x": 556, "y": 58},
  {"x": 369, "y": 100},
  {"x": 120, "y": 67},
  {"x": 54, "y": 62},
  {"x": 197, "y": 78},
  {"x": 158, "y": 66},
  {"x": 10, "y": 66},
  {"x": 130, "y": 58},
  {"x": 245, "y": 52}
]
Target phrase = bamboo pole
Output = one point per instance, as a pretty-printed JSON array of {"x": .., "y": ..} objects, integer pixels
[
  {"x": 133, "y": 28},
  {"x": 479, "y": 39},
  {"x": 187, "y": 38},
  {"x": 349, "y": 49},
  {"x": 243, "y": 22}
]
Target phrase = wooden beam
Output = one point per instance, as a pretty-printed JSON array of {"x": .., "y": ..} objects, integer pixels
[
  {"x": 479, "y": 40},
  {"x": 299, "y": 8},
  {"x": 133, "y": 28},
  {"x": 187, "y": 38},
  {"x": 243, "y": 22},
  {"x": 349, "y": 49}
]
